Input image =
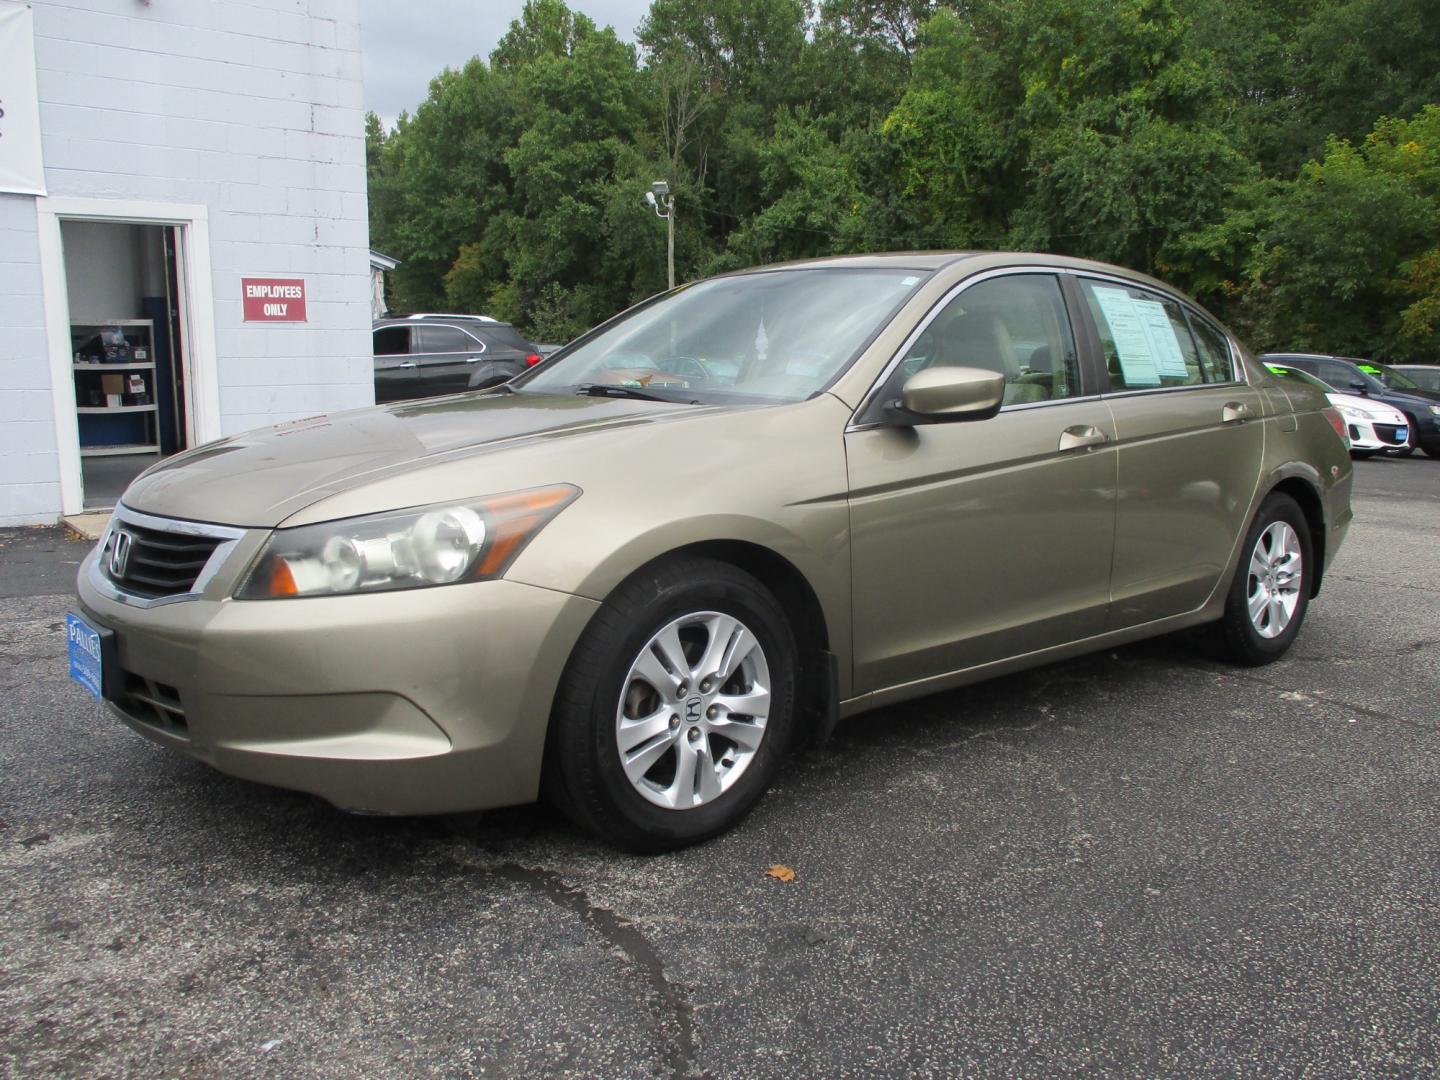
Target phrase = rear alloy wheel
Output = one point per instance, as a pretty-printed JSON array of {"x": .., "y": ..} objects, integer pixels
[
  {"x": 675, "y": 709},
  {"x": 1271, "y": 591}
]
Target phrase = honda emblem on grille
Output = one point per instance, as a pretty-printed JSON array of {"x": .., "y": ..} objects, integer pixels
[{"x": 120, "y": 553}]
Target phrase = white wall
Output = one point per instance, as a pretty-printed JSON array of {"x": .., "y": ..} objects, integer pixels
[
  {"x": 29, "y": 467},
  {"x": 252, "y": 108}
]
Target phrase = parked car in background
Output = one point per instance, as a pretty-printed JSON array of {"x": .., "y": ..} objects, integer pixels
[
  {"x": 639, "y": 573},
  {"x": 1371, "y": 426},
  {"x": 1375, "y": 382},
  {"x": 424, "y": 355},
  {"x": 1425, "y": 376}
]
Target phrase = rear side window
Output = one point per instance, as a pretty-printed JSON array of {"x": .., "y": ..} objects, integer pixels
[
  {"x": 504, "y": 337},
  {"x": 1145, "y": 337},
  {"x": 392, "y": 341},
  {"x": 445, "y": 339},
  {"x": 1214, "y": 350}
]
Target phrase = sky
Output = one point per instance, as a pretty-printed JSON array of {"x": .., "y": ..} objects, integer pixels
[{"x": 406, "y": 43}]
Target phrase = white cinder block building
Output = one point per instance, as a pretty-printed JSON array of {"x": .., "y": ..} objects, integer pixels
[{"x": 184, "y": 250}]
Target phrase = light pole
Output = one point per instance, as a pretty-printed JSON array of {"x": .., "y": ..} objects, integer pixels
[{"x": 663, "y": 203}]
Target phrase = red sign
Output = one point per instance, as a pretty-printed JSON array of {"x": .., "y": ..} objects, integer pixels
[{"x": 273, "y": 299}]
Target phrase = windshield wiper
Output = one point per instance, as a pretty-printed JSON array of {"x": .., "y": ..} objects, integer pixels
[{"x": 612, "y": 390}]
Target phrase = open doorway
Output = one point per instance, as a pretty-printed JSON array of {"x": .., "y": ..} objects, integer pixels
[{"x": 127, "y": 350}]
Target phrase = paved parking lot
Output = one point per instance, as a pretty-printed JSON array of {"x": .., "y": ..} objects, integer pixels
[{"x": 1138, "y": 862}]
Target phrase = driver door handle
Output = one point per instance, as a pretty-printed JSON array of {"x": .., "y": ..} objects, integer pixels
[
  {"x": 471, "y": 359},
  {"x": 1082, "y": 435},
  {"x": 1236, "y": 412},
  {"x": 407, "y": 364}
]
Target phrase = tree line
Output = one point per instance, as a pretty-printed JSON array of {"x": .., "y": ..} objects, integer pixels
[{"x": 1279, "y": 159}]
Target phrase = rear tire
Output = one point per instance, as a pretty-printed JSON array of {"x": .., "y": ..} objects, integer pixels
[
  {"x": 675, "y": 709},
  {"x": 1271, "y": 591}
]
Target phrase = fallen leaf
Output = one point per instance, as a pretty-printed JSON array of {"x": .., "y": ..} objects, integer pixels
[{"x": 781, "y": 872}]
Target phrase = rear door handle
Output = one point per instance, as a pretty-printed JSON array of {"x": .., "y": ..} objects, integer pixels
[
  {"x": 406, "y": 364},
  {"x": 1073, "y": 438},
  {"x": 471, "y": 359},
  {"x": 1236, "y": 412}
]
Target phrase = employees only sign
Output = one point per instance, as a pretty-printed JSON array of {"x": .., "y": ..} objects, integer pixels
[{"x": 273, "y": 299}]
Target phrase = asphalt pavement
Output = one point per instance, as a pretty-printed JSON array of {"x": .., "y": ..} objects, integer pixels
[{"x": 1139, "y": 863}]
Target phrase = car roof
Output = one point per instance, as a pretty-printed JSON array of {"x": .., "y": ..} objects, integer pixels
[
  {"x": 431, "y": 316},
  {"x": 981, "y": 260}
]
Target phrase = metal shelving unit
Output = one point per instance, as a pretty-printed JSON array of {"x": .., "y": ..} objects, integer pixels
[{"x": 141, "y": 435}]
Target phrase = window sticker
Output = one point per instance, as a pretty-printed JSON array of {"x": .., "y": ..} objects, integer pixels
[
  {"x": 1164, "y": 345},
  {"x": 1131, "y": 337}
]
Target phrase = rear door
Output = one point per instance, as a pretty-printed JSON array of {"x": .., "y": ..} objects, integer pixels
[
  {"x": 1191, "y": 437},
  {"x": 977, "y": 540},
  {"x": 446, "y": 355},
  {"x": 397, "y": 376}
]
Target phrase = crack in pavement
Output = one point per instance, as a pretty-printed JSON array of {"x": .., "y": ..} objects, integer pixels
[
  {"x": 673, "y": 1007},
  {"x": 1318, "y": 695},
  {"x": 1384, "y": 584}
]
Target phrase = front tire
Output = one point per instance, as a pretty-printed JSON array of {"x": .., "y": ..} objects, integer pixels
[
  {"x": 676, "y": 708},
  {"x": 1271, "y": 592}
]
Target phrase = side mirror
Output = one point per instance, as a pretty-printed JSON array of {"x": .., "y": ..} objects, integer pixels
[
  {"x": 1359, "y": 386},
  {"x": 940, "y": 394}
]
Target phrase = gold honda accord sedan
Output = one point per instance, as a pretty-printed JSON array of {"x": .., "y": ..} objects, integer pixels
[{"x": 638, "y": 574}]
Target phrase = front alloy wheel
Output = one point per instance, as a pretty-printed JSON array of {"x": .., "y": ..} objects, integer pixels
[
  {"x": 676, "y": 706},
  {"x": 693, "y": 711}
]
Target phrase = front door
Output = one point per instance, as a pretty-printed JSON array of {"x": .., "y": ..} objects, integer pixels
[
  {"x": 397, "y": 376},
  {"x": 977, "y": 540}
]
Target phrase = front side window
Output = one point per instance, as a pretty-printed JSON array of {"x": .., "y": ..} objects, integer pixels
[
  {"x": 1144, "y": 336},
  {"x": 392, "y": 341},
  {"x": 1016, "y": 325},
  {"x": 772, "y": 336}
]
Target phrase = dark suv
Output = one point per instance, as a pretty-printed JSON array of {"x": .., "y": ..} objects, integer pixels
[
  {"x": 424, "y": 355},
  {"x": 1369, "y": 379}
]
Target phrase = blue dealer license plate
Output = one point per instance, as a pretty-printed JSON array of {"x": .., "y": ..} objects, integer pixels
[{"x": 86, "y": 666}]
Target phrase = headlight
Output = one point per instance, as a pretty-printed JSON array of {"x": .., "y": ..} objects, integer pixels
[
  {"x": 1352, "y": 413},
  {"x": 404, "y": 549},
  {"x": 1435, "y": 410}
]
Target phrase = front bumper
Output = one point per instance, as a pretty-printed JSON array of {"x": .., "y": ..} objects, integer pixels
[
  {"x": 413, "y": 702},
  {"x": 1370, "y": 435}
]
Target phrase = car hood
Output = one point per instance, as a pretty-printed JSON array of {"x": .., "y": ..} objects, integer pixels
[
  {"x": 1376, "y": 410},
  {"x": 1416, "y": 399},
  {"x": 262, "y": 477}
]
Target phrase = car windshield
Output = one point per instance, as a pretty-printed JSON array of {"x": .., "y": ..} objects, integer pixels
[
  {"x": 778, "y": 335},
  {"x": 1389, "y": 376}
]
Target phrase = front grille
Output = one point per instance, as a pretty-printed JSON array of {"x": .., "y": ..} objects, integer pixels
[
  {"x": 152, "y": 703},
  {"x": 158, "y": 563},
  {"x": 1389, "y": 433}
]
